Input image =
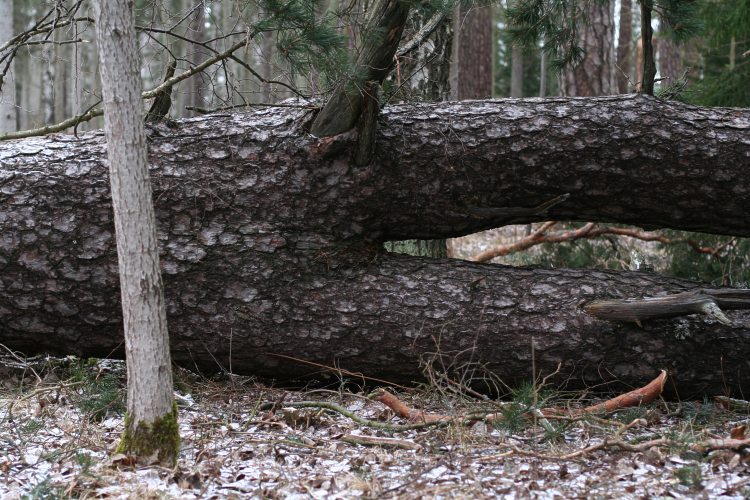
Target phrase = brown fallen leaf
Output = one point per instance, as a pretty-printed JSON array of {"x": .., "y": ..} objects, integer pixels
[{"x": 739, "y": 432}]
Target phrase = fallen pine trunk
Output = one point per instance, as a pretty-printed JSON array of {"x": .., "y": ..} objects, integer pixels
[{"x": 271, "y": 242}]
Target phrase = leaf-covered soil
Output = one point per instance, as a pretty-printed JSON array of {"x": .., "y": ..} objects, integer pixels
[{"x": 60, "y": 422}]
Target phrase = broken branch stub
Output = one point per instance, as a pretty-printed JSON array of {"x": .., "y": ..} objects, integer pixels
[{"x": 700, "y": 301}]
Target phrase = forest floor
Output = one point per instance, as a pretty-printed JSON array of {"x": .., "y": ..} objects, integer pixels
[{"x": 60, "y": 422}]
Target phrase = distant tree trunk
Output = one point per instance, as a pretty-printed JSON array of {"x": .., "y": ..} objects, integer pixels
[
  {"x": 516, "y": 68},
  {"x": 474, "y": 43},
  {"x": 543, "y": 73},
  {"x": 624, "y": 47},
  {"x": 424, "y": 72},
  {"x": 49, "y": 64},
  {"x": 648, "y": 65},
  {"x": 198, "y": 83},
  {"x": 266, "y": 67},
  {"x": 151, "y": 423},
  {"x": 516, "y": 71},
  {"x": 594, "y": 75},
  {"x": 8, "y": 85},
  {"x": 670, "y": 58}
]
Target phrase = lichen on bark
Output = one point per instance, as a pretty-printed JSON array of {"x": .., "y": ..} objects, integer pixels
[{"x": 150, "y": 442}]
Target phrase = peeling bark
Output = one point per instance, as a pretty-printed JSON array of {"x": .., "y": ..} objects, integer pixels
[{"x": 270, "y": 239}]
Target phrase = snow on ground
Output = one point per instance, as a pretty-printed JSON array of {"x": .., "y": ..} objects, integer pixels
[{"x": 51, "y": 448}]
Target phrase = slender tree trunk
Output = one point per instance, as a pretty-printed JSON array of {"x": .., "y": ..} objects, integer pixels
[
  {"x": 373, "y": 63},
  {"x": 474, "y": 32},
  {"x": 198, "y": 83},
  {"x": 624, "y": 47},
  {"x": 49, "y": 64},
  {"x": 543, "y": 73},
  {"x": 8, "y": 86},
  {"x": 648, "y": 72},
  {"x": 151, "y": 423},
  {"x": 594, "y": 75},
  {"x": 266, "y": 68},
  {"x": 516, "y": 69},
  {"x": 670, "y": 58}
]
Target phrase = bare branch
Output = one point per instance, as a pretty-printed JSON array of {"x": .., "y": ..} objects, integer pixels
[{"x": 590, "y": 231}]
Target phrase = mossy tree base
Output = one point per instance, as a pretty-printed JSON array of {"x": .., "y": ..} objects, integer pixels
[{"x": 155, "y": 442}]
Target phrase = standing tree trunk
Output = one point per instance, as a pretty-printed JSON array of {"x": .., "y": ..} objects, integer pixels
[
  {"x": 624, "y": 47},
  {"x": 671, "y": 68},
  {"x": 516, "y": 69},
  {"x": 151, "y": 423},
  {"x": 7, "y": 84},
  {"x": 474, "y": 51},
  {"x": 648, "y": 67},
  {"x": 594, "y": 75},
  {"x": 49, "y": 66}
]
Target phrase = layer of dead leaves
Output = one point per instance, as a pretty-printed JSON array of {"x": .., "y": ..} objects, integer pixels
[{"x": 234, "y": 447}]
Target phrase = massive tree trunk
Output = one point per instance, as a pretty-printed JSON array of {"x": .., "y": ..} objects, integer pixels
[{"x": 270, "y": 239}]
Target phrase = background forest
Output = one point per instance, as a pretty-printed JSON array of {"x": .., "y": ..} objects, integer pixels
[{"x": 701, "y": 55}]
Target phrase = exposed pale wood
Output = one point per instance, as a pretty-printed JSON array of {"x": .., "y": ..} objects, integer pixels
[{"x": 701, "y": 301}]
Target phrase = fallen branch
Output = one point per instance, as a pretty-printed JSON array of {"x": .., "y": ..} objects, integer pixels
[
  {"x": 381, "y": 441},
  {"x": 590, "y": 231},
  {"x": 721, "y": 444},
  {"x": 362, "y": 421},
  {"x": 606, "y": 444},
  {"x": 637, "y": 397},
  {"x": 732, "y": 403},
  {"x": 701, "y": 301}
]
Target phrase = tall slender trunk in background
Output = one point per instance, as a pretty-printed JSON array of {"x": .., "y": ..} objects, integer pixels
[
  {"x": 151, "y": 430},
  {"x": 266, "y": 67},
  {"x": 198, "y": 83},
  {"x": 516, "y": 71},
  {"x": 8, "y": 89},
  {"x": 594, "y": 75},
  {"x": 516, "y": 68},
  {"x": 49, "y": 63},
  {"x": 648, "y": 66},
  {"x": 473, "y": 32},
  {"x": 543, "y": 72},
  {"x": 671, "y": 67},
  {"x": 624, "y": 47}
]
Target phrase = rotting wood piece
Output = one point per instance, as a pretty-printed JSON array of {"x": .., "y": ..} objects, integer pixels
[{"x": 701, "y": 301}]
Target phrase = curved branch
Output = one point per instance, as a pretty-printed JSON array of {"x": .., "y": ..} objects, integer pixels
[{"x": 590, "y": 231}]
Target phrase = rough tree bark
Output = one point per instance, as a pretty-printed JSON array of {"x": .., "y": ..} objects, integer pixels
[
  {"x": 151, "y": 432},
  {"x": 270, "y": 239},
  {"x": 473, "y": 39},
  {"x": 594, "y": 75},
  {"x": 670, "y": 59},
  {"x": 625, "y": 47}
]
